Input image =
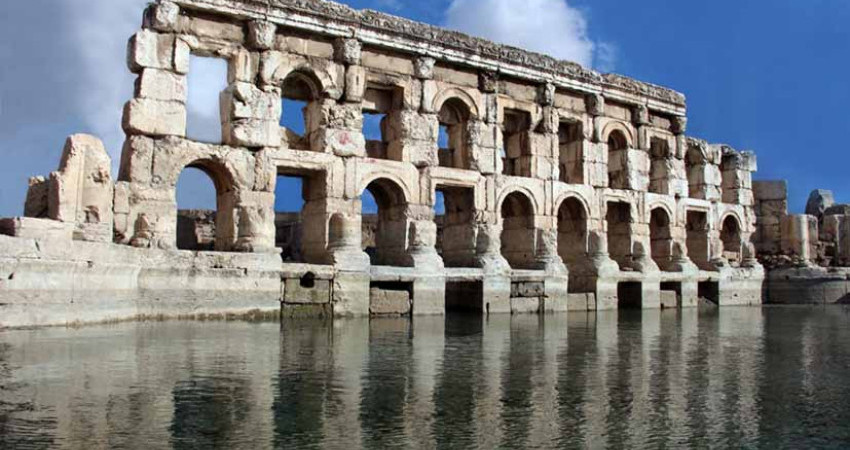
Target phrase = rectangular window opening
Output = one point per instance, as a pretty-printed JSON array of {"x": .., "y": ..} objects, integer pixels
[{"x": 206, "y": 80}]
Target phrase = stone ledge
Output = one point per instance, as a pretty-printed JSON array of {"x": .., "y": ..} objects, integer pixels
[{"x": 419, "y": 35}]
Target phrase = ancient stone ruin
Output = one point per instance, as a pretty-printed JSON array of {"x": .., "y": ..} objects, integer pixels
[{"x": 564, "y": 189}]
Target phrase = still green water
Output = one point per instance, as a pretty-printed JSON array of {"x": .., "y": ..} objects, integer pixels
[{"x": 735, "y": 377}]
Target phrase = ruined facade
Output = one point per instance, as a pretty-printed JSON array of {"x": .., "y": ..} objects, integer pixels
[
  {"x": 564, "y": 188},
  {"x": 807, "y": 255}
]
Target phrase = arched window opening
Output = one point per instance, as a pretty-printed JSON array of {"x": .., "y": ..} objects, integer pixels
[
  {"x": 660, "y": 171},
  {"x": 206, "y": 80},
  {"x": 385, "y": 225},
  {"x": 731, "y": 237},
  {"x": 619, "y": 218},
  {"x": 661, "y": 239},
  {"x": 453, "y": 138},
  {"x": 298, "y": 96},
  {"x": 618, "y": 170},
  {"x": 455, "y": 216},
  {"x": 204, "y": 208},
  {"x": 697, "y": 239},
  {"x": 571, "y": 152},
  {"x": 518, "y": 235},
  {"x": 516, "y": 143},
  {"x": 572, "y": 231},
  {"x": 379, "y": 103},
  {"x": 300, "y": 229}
]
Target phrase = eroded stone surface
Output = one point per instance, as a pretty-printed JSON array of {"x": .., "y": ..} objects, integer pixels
[{"x": 555, "y": 178}]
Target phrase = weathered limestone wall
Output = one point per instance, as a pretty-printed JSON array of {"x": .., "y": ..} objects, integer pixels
[
  {"x": 557, "y": 180},
  {"x": 806, "y": 254},
  {"x": 57, "y": 281}
]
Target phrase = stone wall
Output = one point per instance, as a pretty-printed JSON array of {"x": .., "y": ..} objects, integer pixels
[{"x": 556, "y": 176}]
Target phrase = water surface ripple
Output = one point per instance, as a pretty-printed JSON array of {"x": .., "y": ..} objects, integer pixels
[{"x": 737, "y": 377}]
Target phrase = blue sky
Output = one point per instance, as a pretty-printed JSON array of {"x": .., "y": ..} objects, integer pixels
[{"x": 769, "y": 76}]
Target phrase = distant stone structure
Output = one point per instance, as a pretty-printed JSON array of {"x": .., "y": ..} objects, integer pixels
[
  {"x": 565, "y": 189},
  {"x": 808, "y": 255}
]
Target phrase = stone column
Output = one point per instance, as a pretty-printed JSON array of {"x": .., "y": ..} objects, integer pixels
[
  {"x": 484, "y": 133},
  {"x": 497, "y": 271},
  {"x": 703, "y": 167},
  {"x": 737, "y": 172},
  {"x": 429, "y": 286},
  {"x": 351, "y": 281},
  {"x": 557, "y": 276},
  {"x": 595, "y": 157},
  {"x": 604, "y": 271},
  {"x": 145, "y": 209}
]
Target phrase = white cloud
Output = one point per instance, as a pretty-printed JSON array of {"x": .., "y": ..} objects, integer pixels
[
  {"x": 99, "y": 30},
  {"x": 551, "y": 27}
]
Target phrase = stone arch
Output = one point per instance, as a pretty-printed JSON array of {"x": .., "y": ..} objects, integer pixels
[
  {"x": 512, "y": 189},
  {"x": 458, "y": 95},
  {"x": 619, "y": 217},
  {"x": 731, "y": 234},
  {"x": 224, "y": 225},
  {"x": 618, "y": 127},
  {"x": 573, "y": 225},
  {"x": 667, "y": 204},
  {"x": 321, "y": 81},
  {"x": 301, "y": 93},
  {"x": 453, "y": 143},
  {"x": 387, "y": 243},
  {"x": 399, "y": 181},
  {"x": 307, "y": 77},
  {"x": 518, "y": 231},
  {"x": 660, "y": 236},
  {"x": 577, "y": 196},
  {"x": 697, "y": 237},
  {"x": 619, "y": 141}
]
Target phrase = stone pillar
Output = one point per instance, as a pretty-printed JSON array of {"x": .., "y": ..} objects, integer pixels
[
  {"x": 737, "y": 173},
  {"x": 497, "y": 271},
  {"x": 604, "y": 271},
  {"x": 799, "y": 236},
  {"x": 413, "y": 137},
  {"x": 484, "y": 133},
  {"x": 81, "y": 191},
  {"x": 556, "y": 283},
  {"x": 542, "y": 162},
  {"x": 351, "y": 281},
  {"x": 703, "y": 168},
  {"x": 159, "y": 105},
  {"x": 595, "y": 156},
  {"x": 429, "y": 286},
  {"x": 251, "y": 115},
  {"x": 638, "y": 157},
  {"x": 771, "y": 205}
]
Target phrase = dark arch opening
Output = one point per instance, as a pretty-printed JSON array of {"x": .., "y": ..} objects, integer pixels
[
  {"x": 618, "y": 171},
  {"x": 385, "y": 224},
  {"x": 204, "y": 212},
  {"x": 299, "y": 94},
  {"x": 572, "y": 231},
  {"x": 661, "y": 238},
  {"x": 730, "y": 234},
  {"x": 518, "y": 236},
  {"x": 454, "y": 135}
]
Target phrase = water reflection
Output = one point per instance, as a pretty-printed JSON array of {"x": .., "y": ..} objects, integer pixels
[{"x": 734, "y": 378}]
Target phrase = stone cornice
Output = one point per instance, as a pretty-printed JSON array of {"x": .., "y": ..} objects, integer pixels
[{"x": 384, "y": 30}]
